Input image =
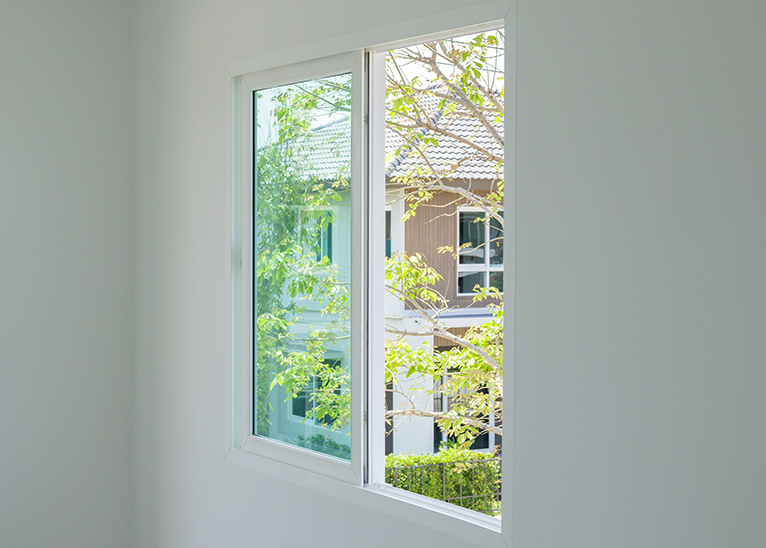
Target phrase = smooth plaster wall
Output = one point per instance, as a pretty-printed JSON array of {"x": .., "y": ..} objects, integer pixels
[
  {"x": 640, "y": 301},
  {"x": 641, "y": 304},
  {"x": 66, "y": 318}
]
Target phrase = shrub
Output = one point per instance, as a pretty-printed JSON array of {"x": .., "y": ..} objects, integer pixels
[{"x": 458, "y": 476}]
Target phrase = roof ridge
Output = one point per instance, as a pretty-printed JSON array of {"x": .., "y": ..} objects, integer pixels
[
  {"x": 433, "y": 117},
  {"x": 331, "y": 123}
]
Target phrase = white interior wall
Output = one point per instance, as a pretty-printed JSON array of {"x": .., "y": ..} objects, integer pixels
[
  {"x": 65, "y": 274},
  {"x": 640, "y": 305},
  {"x": 187, "y": 494},
  {"x": 641, "y": 301}
]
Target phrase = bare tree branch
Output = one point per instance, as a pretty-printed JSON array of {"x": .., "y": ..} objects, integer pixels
[{"x": 414, "y": 412}]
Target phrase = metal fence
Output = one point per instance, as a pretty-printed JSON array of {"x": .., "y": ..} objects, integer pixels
[{"x": 473, "y": 484}]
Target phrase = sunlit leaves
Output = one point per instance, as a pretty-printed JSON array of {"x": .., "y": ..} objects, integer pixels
[
  {"x": 432, "y": 90},
  {"x": 302, "y": 297}
]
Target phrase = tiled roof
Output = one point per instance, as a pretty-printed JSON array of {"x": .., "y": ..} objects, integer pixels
[
  {"x": 331, "y": 148},
  {"x": 451, "y": 157}
]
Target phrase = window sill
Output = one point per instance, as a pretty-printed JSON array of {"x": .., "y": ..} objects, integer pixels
[{"x": 437, "y": 515}]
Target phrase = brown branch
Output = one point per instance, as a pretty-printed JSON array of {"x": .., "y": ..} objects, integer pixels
[
  {"x": 470, "y": 196},
  {"x": 481, "y": 425},
  {"x": 461, "y": 94},
  {"x": 485, "y": 91},
  {"x": 441, "y": 332}
]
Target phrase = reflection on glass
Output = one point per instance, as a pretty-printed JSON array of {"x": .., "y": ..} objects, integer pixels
[
  {"x": 471, "y": 235},
  {"x": 495, "y": 241},
  {"x": 302, "y": 262},
  {"x": 467, "y": 281},
  {"x": 496, "y": 280}
]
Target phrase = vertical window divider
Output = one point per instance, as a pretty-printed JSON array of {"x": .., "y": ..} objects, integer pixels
[
  {"x": 359, "y": 250},
  {"x": 375, "y": 287}
]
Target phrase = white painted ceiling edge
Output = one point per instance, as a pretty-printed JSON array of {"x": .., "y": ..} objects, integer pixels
[{"x": 380, "y": 37}]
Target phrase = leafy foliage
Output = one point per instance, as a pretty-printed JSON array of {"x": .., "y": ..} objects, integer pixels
[
  {"x": 293, "y": 205},
  {"x": 461, "y": 79},
  {"x": 466, "y": 478},
  {"x": 432, "y": 89}
]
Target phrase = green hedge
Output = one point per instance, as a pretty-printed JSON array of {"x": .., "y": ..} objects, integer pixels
[{"x": 459, "y": 476}]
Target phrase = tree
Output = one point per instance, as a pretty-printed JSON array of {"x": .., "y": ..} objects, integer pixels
[
  {"x": 293, "y": 207},
  {"x": 458, "y": 80},
  {"x": 433, "y": 89}
]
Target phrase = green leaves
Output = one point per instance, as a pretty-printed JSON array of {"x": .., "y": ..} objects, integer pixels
[
  {"x": 302, "y": 297},
  {"x": 466, "y": 478},
  {"x": 468, "y": 375},
  {"x": 412, "y": 280}
]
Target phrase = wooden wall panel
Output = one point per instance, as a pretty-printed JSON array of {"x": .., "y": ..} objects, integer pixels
[{"x": 434, "y": 226}]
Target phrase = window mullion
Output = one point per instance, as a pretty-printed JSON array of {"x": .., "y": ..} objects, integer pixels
[{"x": 376, "y": 142}]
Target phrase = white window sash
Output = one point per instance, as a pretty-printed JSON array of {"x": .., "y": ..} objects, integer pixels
[{"x": 243, "y": 271}]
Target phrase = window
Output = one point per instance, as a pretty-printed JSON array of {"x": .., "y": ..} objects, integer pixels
[
  {"x": 309, "y": 225},
  {"x": 480, "y": 251},
  {"x": 295, "y": 285},
  {"x": 324, "y": 249},
  {"x": 302, "y": 298}
]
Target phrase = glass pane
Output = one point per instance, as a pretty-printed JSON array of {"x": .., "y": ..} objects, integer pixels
[
  {"x": 466, "y": 281},
  {"x": 325, "y": 237},
  {"x": 302, "y": 260},
  {"x": 496, "y": 280},
  {"x": 471, "y": 235},
  {"x": 495, "y": 241},
  {"x": 443, "y": 419}
]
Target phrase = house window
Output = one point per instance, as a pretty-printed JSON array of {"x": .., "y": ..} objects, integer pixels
[
  {"x": 320, "y": 233},
  {"x": 304, "y": 405},
  {"x": 480, "y": 252},
  {"x": 325, "y": 241}
]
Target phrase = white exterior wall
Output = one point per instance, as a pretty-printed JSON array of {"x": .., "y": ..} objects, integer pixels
[
  {"x": 413, "y": 434},
  {"x": 640, "y": 300},
  {"x": 66, "y": 316}
]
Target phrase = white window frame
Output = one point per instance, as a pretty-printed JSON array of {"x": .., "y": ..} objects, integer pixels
[
  {"x": 242, "y": 436},
  {"x": 352, "y": 481},
  {"x": 487, "y": 267}
]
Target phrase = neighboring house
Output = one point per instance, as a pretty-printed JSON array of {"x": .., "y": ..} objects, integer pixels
[
  {"x": 446, "y": 221},
  {"x": 324, "y": 161}
]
